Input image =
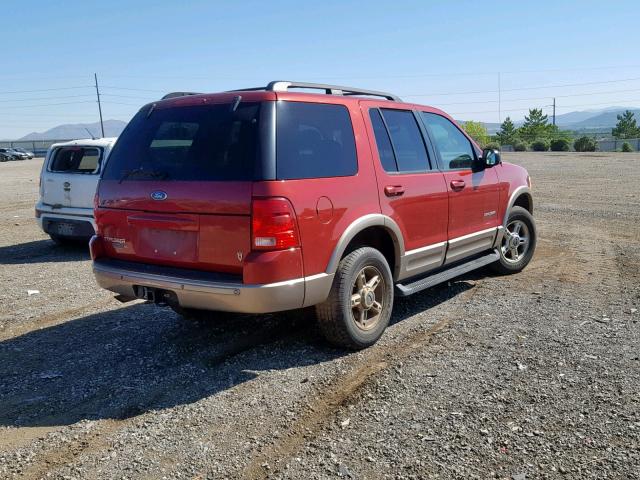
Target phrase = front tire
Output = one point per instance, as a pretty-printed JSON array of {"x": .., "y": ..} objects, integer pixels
[
  {"x": 518, "y": 242},
  {"x": 359, "y": 305}
]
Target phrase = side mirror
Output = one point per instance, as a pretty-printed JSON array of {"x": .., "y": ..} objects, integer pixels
[{"x": 490, "y": 158}]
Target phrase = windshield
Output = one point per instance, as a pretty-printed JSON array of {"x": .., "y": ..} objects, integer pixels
[{"x": 204, "y": 142}]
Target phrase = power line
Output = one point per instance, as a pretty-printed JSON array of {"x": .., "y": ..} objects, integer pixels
[
  {"x": 522, "y": 88},
  {"x": 128, "y": 96},
  {"x": 133, "y": 89},
  {"x": 562, "y": 107},
  {"x": 122, "y": 103},
  {"x": 543, "y": 98},
  {"x": 600, "y": 92},
  {"x": 43, "y": 98},
  {"x": 45, "y": 89},
  {"x": 47, "y": 104}
]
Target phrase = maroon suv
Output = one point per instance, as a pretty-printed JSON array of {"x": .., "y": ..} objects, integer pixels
[{"x": 269, "y": 199}]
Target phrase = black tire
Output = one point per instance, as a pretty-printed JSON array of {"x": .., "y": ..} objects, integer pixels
[
  {"x": 507, "y": 264},
  {"x": 336, "y": 318},
  {"x": 62, "y": 241}
]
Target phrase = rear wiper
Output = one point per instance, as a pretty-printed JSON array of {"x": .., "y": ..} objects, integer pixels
[{"x": 140, "y": 172}]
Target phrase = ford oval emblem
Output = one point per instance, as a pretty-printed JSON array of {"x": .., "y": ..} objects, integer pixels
[{"x": 159, "y": 195}]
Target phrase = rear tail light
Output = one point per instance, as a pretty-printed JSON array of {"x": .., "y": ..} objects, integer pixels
[
  {"x": 96, "y": 201},
  {"x": 273, "y": 224}
]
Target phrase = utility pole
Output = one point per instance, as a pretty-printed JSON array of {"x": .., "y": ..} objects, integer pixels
[
  {"x": 499, "y": 100},
  {"x": 554, "y": 111},
  {"x": 95, "y": 76}
]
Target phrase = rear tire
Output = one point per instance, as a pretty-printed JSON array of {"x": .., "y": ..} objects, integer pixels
[
  {"x": 360, "y": 302},
  {"x": 62, "y": 241},
  {"x": 518, "y": 243}
]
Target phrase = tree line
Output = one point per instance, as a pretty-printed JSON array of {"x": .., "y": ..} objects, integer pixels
[{"x": 536, "y": 133}]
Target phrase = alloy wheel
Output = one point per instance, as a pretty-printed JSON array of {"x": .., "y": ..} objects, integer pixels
[
  {"x": 515, "y": 242},
  {"x": 367, "y": 298}
]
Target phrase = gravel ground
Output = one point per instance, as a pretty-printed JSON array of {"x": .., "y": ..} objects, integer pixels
[{"x": 535, "y": 375}]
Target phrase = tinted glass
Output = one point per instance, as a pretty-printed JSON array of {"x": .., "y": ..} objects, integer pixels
[
  {"x": 75, "y": 160},
  {"x": 314, "y": 140},
  {"x": 385, "y": 150},
  {"x": 406, "y": 138},
  {"x": 455, "y": 149},
  {"x": 204, "y": 142}
]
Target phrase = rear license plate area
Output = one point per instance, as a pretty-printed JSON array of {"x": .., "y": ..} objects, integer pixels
[
  {"x": 64, "y": 229},
  {"x": 173, "y": 245}
]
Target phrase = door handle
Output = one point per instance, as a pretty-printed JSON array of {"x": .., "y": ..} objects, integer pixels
[
  {"x": 393, "y": 190},
  {"x": 457, "y": 184}
]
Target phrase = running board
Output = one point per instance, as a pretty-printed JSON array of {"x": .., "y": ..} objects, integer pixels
[{"x": 429, "y": 281}]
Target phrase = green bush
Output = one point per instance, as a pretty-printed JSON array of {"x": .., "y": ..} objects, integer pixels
[
  {"x": 492, "y": 145},
  {"x": 585, "y": 144},
  {"x": 540, "y": 146},
  {"x": 626, "y": 147},
  {"x": 560, "y": 145},
  {"x": 519, "y": 146}
]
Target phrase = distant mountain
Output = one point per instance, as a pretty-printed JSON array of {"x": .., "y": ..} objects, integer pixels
[
  {"x": 604, "y": 120},
  {"x": 601, "y": 119},
  {"x": 112, "y": 128}
]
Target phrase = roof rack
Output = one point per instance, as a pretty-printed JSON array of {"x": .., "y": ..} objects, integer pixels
[
  {"x": 283, "y": 86},
  {"x": 178, "y": 94}
]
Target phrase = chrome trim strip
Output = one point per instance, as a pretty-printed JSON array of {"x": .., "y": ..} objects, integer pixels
[
  {"x": 470, "y": 244},
  {"x": 423, "y": 249},
  {"x": 420, "y": 260},
  {"x": 471, "y": 235},
  {"x": 187, "y": 283}
]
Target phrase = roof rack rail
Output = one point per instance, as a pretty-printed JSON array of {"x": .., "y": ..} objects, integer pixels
[
  {"x": 178, "y": 94},
  {"x": 283, "y": 86}
]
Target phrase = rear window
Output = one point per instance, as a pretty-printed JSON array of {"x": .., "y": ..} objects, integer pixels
[
  {"x": 76, "y": 160},
  {"x": 314, "y": 140},
  {"x": 204, "y": 142}
]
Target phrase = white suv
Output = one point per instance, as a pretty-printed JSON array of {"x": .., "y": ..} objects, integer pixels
[{"x": 68, "y": 182}]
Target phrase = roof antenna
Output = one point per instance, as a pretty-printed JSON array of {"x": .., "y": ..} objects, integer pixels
[
  {"x": 236, "y": 101},
  {"x": 89, "y": 132},
  {"x": 151, "y": 109}
]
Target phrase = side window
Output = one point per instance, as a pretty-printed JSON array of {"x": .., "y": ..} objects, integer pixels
[
  {"x": 314, "y": 140},
  {"x": 455, "y": 149},
  {"x": 406, "y": 139},
  {"x": 385, "y": 150},
  {"x": 75, "y": 160}
]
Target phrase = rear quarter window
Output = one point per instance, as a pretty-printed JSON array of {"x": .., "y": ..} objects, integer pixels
[
  {"x": 76, "y": 160},
  {"x": 314, "y": 140}
]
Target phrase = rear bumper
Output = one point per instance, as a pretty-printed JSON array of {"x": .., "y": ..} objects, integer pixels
[
  {"x": 217, "y": 295},
  {"x": 44, "y": 212}
]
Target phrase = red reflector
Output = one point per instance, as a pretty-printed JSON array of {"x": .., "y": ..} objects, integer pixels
[{"x": 273, "y": 224}]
